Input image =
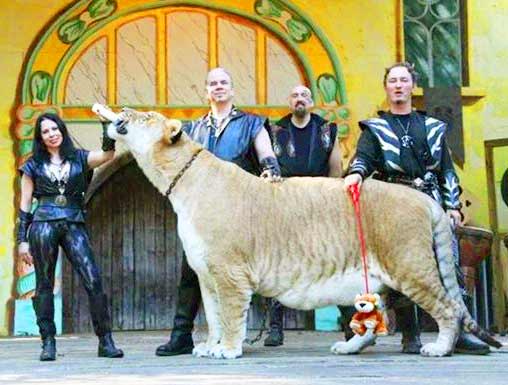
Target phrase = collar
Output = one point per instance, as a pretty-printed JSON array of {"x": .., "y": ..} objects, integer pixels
[
  {"x": 211, "y": 121},
  {"x": 181, "y": 172}
]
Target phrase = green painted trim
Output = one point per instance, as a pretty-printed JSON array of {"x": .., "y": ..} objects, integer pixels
[
  {"x": 329, "y": 49},
  {"x": 199, "y": 3},
  {"x": 25, "y": 89}
]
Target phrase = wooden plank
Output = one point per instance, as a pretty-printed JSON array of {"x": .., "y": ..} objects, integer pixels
[
  {"x": 126, "y": 179},
  {"x": 161, "y": 255},
  {"x": 105, "y": 234},
  {"x": 172, "y": 263},
  {"x": 139, "y": 252},
  {"x": 289, "y": 319},
  {"x": 117, "y": 199},
  {"x": 151, "y": 278},
  {"x": 255, "y": 315},
  {"x": 94, "y": 224}
]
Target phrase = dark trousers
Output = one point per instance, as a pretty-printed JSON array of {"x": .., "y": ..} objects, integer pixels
[
  {"x": 44, "y": 239},
  {"x": 276, "y": 310},
  {"x": 188, "y": 301}
]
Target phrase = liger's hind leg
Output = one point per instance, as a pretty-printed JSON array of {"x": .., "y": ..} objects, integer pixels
[{"x": 422, "y": 284}]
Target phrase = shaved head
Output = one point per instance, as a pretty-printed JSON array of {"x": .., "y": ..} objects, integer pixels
[
  {"x": 219, "y": 86},
  {"x": 300, "y": 100},
  {"x": 217, "y": 71}
]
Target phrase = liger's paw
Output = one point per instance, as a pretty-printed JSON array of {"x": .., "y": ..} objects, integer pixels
[
  {"x": 219, "y": 351},
  {"x": 434, "y": 349},
  {"x": 201, "y": 350},
  {"x": 341, "y": 347},
  {"x": 354, "y": 345}
]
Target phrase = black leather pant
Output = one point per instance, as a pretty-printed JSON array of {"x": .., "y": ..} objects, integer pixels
[
  {"x": 276, "y": 310},
  {"x": 44, "y": 239},
  {"x": 188, "y": 301}
]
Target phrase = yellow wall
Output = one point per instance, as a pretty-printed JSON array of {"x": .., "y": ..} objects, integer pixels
[
  {"x": 489, "y": 120},
  {"x": 21, "y": 21},
  {"x": 485, "y": 118},
  {"x": 366, "y": 42}
]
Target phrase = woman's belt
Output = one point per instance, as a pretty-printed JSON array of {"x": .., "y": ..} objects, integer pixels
[{"x": 61, "y": 201}]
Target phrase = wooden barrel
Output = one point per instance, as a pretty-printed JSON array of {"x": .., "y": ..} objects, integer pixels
[{"x": 475, "y": 244}]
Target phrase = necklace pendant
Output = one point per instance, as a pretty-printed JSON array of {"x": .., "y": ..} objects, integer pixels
[
  {"x": 61, "y": 200},
  {"x": 406, "y": 141}
]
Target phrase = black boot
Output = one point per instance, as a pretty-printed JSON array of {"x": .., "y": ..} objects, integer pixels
[
  {"x": 107, "y": 347},
  {"x": 177, "y": 344},
  {"x": 101, "y": 321},
  {"x": 48, "y": 352},
  {"x": 346, "y": 314},
  {"x": 407, "y": 321},
  {"x": 189, "y": 299},
  {"x": 275, "y": 333},
  {"x": 45, "y": 311},
  {"x": 468, "y": 343}
]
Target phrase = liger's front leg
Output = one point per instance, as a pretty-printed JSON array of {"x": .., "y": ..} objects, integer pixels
[
  {"x": 210, "y": 304},
  {"x": 234, "y": 294}
]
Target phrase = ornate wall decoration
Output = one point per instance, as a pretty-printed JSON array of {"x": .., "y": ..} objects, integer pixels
[
  {"x": 72, "y": 29},
  {"x": 331, "y": 109},
  {"x": 275, "y": 10}
]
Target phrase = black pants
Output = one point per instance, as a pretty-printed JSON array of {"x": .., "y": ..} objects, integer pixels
[
  {"x": 188, "y": 301},
  {"x": 45, "y": 238}
]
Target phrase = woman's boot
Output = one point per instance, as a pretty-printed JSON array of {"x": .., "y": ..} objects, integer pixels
[
  {"x": 45, "y": 311},
  {"x": 101, "y": 320}
]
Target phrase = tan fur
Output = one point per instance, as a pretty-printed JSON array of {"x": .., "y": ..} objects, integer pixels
[{"x": 295, "y": 240}]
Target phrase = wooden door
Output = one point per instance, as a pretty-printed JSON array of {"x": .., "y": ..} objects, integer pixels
[{"x": 133, "y": 232}]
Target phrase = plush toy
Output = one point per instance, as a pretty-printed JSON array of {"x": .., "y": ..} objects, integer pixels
[{"x": 368, "y": 316}]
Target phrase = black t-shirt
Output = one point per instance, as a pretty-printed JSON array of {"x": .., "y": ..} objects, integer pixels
[{"x": 303, "y": 151}]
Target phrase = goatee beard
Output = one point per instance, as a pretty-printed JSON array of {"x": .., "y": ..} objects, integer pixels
[{"x": 300, "y": 112}]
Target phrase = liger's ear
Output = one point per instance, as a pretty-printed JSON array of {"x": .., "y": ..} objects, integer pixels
[
  {"x": 377, "y": 298},
  {"x": 172, "y": 130}
]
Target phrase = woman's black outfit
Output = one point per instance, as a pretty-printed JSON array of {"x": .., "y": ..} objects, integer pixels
[{"x": 59, "y": 220}]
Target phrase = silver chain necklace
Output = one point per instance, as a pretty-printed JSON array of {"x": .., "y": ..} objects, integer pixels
[
  {"x": 59, "y": 175},
  {"x": 406, "y": 140}
]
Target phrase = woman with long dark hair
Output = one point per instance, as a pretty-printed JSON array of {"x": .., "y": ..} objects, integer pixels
[{"x": 56, "y": 175}]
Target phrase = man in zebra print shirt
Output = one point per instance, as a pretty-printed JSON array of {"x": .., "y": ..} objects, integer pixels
[{"x": 406, "y": 146}]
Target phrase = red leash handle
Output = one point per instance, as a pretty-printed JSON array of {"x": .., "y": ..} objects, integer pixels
[{"x": 355, "y": 196}]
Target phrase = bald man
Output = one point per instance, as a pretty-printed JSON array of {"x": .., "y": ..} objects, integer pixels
[
  {"x": 305, "y": 145},
  {"x": 234, "y": 136}
]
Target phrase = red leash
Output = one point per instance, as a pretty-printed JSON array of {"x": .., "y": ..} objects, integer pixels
[{"x": 355, "y": 195}]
